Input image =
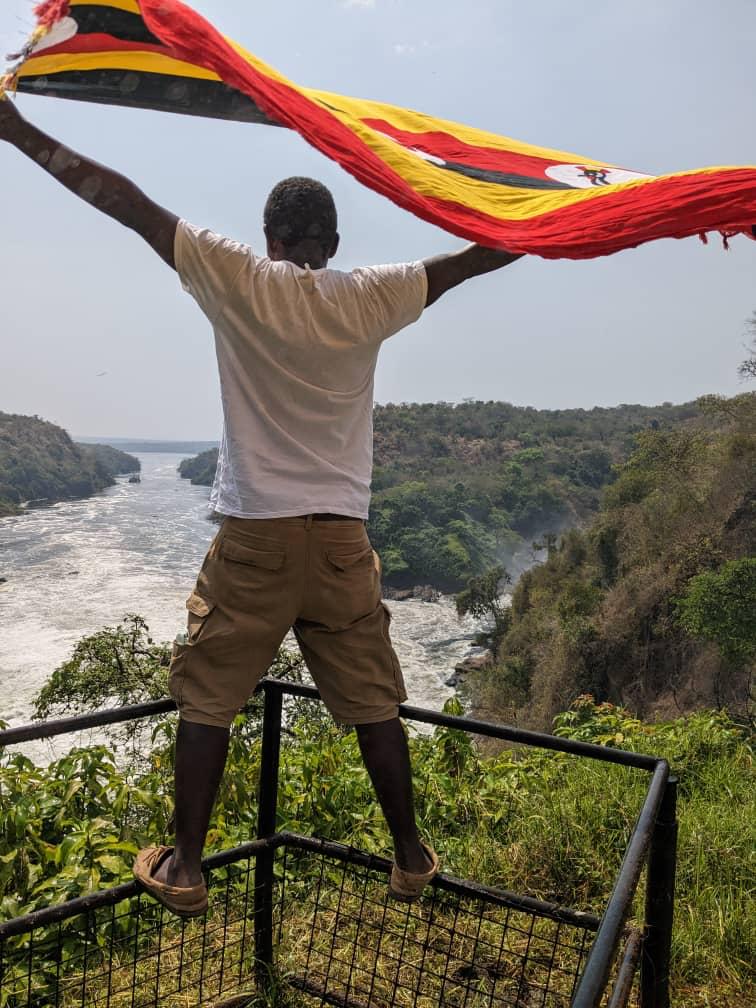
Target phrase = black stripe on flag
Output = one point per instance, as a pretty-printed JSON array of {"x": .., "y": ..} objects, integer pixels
[
  {"x": 121, "y": 24},
  {"x": 161, "y": 92},
  {"x": 502, "y": 178}
]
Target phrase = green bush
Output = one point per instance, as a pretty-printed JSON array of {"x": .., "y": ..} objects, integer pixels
[{"x": 720, "y": 606}]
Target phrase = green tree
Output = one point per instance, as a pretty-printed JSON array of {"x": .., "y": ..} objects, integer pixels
[
  {"x": 482, "y": 599},
  {"x": 747, "y": 368},
  {"x": 720, "y": 606},
  {"x": 117, "y": 665}
]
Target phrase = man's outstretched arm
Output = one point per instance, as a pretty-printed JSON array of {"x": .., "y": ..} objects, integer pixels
[
  {"x": 102, "y": 188},
  {"x": 447, "y": 271}
]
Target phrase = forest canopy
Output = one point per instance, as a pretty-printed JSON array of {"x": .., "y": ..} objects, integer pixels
[{"x": 458, "y": 487}]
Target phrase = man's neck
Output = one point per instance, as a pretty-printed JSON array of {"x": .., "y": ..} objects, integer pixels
[{"x": 307, "y": 253}]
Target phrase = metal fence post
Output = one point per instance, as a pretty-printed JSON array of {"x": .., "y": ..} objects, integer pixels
[
  {"x": 660, "y": 898},
  {"x": 266, "y": 827}
]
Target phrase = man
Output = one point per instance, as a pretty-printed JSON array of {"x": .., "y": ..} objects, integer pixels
[{"x": 297, "y": 345}]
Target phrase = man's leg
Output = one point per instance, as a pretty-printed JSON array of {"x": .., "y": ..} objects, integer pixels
[
  {"x": 200, "y": 758},
  {"x": 343, "y": 633},
  {"x": 386, "y": 755},
  {"x": 238, "y": 616}
]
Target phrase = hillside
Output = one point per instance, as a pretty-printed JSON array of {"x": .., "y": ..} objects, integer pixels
[
  {"x": 200, "y": 470},
  {"x": 456, "y": 487},
  {"x": 114, "y": 461},
  {"x": 39, "y": 461},
  {"x": 654, "y": 605}
]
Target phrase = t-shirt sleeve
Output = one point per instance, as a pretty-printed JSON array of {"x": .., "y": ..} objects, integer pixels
[
  {"x": 393, "y": 296},
  {"x": 209, "y": 265}
]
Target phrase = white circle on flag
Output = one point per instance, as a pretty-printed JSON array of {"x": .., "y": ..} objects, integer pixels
[
  {"x": 592, "y": 176},
  {"x": 61, "y": 31}
]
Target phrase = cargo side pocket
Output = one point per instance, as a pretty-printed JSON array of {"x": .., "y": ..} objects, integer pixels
[{"x": 199, "y": 609}]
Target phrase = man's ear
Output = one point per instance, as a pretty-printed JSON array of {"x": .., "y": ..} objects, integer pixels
[{"x": 335, "y": 245}]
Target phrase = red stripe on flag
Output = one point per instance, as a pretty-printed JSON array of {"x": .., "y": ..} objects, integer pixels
[
  {"x": 451, "y": 148},
  {"x": 98, "y": 43}
]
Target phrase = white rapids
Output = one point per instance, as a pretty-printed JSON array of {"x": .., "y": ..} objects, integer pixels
[{"x": 136, "y": 548}]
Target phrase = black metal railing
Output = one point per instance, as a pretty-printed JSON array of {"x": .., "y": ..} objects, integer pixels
[{"x": 464, "y": 944}]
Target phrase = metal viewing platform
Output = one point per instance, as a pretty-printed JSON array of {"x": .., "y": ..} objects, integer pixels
[{"x": 301, "y": 921}]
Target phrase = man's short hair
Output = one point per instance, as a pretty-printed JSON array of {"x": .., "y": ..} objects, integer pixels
[{"x": 300, "y": 209}]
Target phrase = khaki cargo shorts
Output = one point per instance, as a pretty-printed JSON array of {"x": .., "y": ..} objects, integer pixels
[{"x": 262, "y": 577}]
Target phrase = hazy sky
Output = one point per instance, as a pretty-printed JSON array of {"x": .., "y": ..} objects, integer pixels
[{"x": 654, "y": 86}]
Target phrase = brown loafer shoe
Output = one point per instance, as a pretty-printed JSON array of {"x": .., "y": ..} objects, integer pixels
[
  {"x": 184, "y": 902},
  {"x": 408, "y": 886}
]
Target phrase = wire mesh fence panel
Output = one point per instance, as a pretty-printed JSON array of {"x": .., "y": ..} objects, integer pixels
[
  {"x": 343, "y": 941},
  {"x": 135, "y": 954}
]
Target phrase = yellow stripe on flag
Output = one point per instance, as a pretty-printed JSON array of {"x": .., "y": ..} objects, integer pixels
[
  {"x": 125, "y": 5},
  {"x": 127, "y": 60}
]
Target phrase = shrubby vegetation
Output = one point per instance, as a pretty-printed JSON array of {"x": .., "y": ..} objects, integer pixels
[
  {"x": 39, "y": 461},
  {"x": 456, "y": 487},
  {"x": 200, "y": 470},
  {"x": 547, "y": 824},
  {"x": 654, "y": 604}
]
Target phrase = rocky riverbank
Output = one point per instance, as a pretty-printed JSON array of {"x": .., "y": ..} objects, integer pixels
[
  {"x": 476, "y": 661},
  {"x": 421, "y": 593}
]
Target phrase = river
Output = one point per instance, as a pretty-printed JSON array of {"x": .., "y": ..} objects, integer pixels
[{"x": 77, "y": 566}]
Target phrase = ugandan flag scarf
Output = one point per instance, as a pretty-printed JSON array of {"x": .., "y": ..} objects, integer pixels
[{"x": 160, "y": 54}]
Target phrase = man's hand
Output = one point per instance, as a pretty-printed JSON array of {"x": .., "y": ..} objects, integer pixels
[
  {"x": 447, "y": 271},
  {"x": 10, "y": 119},
  {"x": 97, "y": 185}
]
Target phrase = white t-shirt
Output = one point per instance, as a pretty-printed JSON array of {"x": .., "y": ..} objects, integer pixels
[{"x": 296, "y": 352}]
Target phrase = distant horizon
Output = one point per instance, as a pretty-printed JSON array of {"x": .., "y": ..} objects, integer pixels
[
  {"x": 145, "y": 440},
  {"x": 137, "y": 445},
  {"x": 214, "y": 441}
]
